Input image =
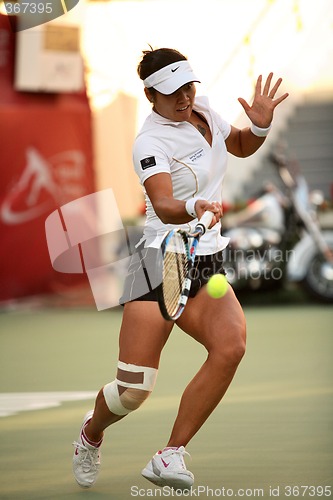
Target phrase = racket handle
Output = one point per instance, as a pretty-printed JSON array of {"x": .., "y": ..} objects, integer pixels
[{"x": 204, "y": 222}]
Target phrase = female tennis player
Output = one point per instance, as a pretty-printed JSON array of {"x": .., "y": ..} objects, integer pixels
[{"x": 180, "y": 156}]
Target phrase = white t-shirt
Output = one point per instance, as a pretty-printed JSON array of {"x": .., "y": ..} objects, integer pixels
[{"x": 196, "y": 168}]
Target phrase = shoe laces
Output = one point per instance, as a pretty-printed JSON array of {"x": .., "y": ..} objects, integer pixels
[
  {"x": 89, "y": 457},
  {"x": 177, "y": 456}
]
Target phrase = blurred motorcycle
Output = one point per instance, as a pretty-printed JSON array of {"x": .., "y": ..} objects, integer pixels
[{"x": 277, "y": 238}]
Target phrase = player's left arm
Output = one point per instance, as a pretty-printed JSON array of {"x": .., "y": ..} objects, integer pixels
[{"x": 244, "y": 142}]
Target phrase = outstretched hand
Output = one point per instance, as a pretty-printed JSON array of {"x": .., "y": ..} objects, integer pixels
[{"x": 262, "y": 109}]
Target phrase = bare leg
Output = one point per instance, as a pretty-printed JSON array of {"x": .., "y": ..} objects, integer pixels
[
  {"x": 220, "y": 326},
  {"x": 143, "y": 335}
]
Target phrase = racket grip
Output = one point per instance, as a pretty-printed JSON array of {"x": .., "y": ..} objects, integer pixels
[{"x": 204, "y": 222}]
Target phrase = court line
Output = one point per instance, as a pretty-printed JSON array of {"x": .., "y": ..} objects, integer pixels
[{"x": 12, "y": 403}]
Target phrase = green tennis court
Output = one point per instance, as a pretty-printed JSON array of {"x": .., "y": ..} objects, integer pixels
[{"x": 273, "y": 430}]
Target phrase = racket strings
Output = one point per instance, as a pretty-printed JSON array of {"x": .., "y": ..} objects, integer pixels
[{"x": 175, "y": 272}]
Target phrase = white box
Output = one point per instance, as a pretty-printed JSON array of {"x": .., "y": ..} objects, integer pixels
[{"x": 48, "y": 59}]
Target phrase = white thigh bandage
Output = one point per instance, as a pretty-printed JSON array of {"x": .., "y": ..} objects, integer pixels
[{"x": 130, "y": 389}]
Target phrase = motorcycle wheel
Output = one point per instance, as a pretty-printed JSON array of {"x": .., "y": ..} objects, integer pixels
[{"x": 319, "y": 279}]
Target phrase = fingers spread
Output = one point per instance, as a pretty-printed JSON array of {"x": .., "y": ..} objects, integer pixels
[
  {"x": 258, "y": 85},
  {"x": 245, "y": 105},
  {"x": 267, "y": 84},
  {"x": 275, "y": 88},
  {"x": 280, "y": 99}
]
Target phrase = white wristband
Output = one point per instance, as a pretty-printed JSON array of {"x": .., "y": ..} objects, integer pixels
[
  {"x": 260, "y": 132},
  {"x": 190, "y": 206}
]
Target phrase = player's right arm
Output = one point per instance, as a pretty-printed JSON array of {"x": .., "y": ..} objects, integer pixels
[
  {"x": 152, "y": 165},
  {"x": 173, "y": 211},
  {"x": 167, "y": 208}
]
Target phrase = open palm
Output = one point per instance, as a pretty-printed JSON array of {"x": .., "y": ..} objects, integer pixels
[{"x": 262, "y": 109}]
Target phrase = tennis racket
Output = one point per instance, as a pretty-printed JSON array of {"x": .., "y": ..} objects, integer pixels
[{"x": 178, "y": 253}]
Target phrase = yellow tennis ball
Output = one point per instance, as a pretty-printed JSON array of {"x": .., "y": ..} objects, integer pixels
[{"x": 217, "y": 286}]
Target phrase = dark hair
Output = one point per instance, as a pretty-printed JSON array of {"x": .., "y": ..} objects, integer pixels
[{"x": 153, "y": 60}]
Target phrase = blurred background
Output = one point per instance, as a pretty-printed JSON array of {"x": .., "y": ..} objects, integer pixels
[{"x": 71, "y": 104}]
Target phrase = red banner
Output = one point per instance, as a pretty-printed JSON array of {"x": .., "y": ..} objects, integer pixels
[{"x": 46, "y": 161}]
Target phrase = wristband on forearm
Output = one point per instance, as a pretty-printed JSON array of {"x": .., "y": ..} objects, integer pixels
[
  {"x": 190, "y": 206},
  {"x": 260, "y": 132}
]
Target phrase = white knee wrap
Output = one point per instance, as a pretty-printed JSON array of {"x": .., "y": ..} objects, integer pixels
[{"x": 131, "y": 387}]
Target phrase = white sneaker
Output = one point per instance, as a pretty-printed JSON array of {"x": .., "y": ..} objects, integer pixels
[
  {"x": 167, "y": 468},
  {"x": 86, "y": 458}
]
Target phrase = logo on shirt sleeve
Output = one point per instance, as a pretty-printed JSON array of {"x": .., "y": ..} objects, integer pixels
[{"x": 148, "y": 162}]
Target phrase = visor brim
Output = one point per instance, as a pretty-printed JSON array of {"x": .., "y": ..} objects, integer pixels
[{"x": 172, "y": 84}]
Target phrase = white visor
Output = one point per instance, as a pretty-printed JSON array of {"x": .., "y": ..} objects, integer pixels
[{"x": 170, "y": 78}]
